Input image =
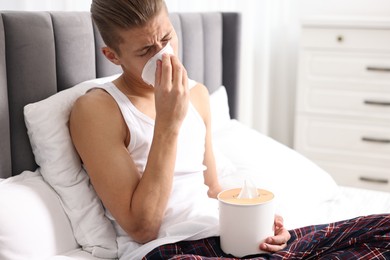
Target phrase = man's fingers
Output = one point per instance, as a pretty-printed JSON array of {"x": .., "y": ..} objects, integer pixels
[
  {"x": 272, "y": 248},
  {"x": 276, "y": 243},
  {"x": 280, "y": 238},
  {"x": 166, "y": 70},
  {"x": 179, "y": 73},
  {"x": 279, "y": 221},
  {"x": 158, "y": 73}
]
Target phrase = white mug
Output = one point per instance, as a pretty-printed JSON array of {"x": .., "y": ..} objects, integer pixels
[{"x": 245, "y": 223}]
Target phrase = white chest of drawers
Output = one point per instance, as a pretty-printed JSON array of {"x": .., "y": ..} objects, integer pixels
[{"x": 343, "y": 100}]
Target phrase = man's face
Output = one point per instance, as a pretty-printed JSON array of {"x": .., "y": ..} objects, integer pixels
[{"x": 140, "y": 44}]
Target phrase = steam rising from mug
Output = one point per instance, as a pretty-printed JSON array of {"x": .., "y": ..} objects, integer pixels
[{"x": 149, "y": 71}]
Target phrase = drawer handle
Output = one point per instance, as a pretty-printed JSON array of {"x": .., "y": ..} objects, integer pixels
[
  {"x": 377, "y": 103},
  {"x": 381, "y": 69},
  {"x": 376, "y": 140},
  {"x": 374, "y": 180}
]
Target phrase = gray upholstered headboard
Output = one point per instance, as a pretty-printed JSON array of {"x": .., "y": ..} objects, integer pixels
[{"x": 42, "y": 53}]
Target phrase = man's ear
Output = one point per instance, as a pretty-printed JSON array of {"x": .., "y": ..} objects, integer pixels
[{"x": 111, "y": 55}]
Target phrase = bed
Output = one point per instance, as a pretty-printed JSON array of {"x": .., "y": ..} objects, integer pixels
[{"x": 49, "y": 209}]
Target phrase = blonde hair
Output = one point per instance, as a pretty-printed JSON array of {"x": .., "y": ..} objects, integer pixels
[{"x": 112, "y": 16}]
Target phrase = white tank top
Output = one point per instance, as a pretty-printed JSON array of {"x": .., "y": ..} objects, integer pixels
[{"x": 190, "y": 214}]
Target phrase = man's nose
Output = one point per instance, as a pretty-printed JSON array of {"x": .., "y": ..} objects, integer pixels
[{"x": 160, "y": 46}]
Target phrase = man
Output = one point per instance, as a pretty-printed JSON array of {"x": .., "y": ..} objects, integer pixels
[{"x": 148, "y": 150}]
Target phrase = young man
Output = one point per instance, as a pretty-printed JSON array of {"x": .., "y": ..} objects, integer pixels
[{"x": 148, "y": 150}]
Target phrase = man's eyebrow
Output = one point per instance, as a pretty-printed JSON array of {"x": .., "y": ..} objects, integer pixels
[
  {"x": 144, "y": 48},
  {"x": 167, "y": 34},
  {"x": 151, "y": 45}
]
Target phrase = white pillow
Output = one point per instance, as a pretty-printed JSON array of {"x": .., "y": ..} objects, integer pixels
[
  {"x": 47, "y": 125},
  {"x": 224, "y": 165},
  {"x": 33, "y": 224},
  {"x": 219, "y": 108}
]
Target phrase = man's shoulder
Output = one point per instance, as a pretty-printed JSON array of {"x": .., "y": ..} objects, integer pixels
[
  {"x": 93, "y": 100},
  {"x": 96, "y": 103},
  {"x": 199, "y": 90}
]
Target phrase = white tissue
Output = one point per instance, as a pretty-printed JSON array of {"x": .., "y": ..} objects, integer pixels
[
  {"x": 149, "y": 71},
  {"x": 248, "y": 191}
]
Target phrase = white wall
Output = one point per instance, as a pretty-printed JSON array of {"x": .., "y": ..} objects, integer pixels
[
  {"x": 270, "y": 40},
  {"x": 45, "y": 5}
]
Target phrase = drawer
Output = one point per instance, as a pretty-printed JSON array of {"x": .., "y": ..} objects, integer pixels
[
  {"x": 346, "y": 67},
  {"x": 345, "y": 38},
  {"x": 345, "y": 102},
  {"x": 358, "y": 175},
  {"x": 344, "y": 140}
]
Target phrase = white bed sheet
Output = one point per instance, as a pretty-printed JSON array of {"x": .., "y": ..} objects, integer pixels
[{"x": 349, "y": 203}]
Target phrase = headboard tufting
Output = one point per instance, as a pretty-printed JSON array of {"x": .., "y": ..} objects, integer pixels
[{"x": 42, "y": 53}]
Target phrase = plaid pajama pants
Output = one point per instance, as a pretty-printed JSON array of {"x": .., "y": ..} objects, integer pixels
[{"x": 365, "y": 237}]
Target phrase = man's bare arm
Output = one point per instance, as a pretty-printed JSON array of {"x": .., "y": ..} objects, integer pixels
[
  {"x": 200, "y": 99},
  {"x": 99, "y": 133}
]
